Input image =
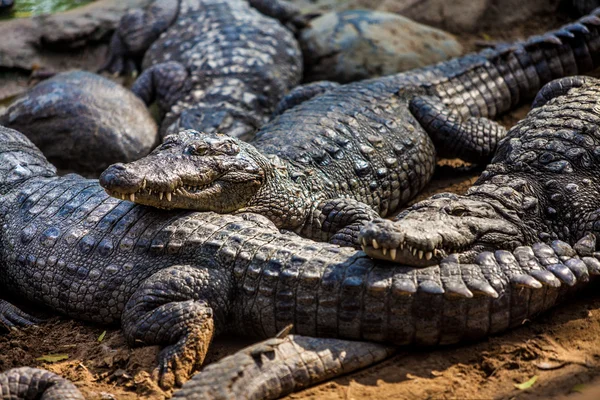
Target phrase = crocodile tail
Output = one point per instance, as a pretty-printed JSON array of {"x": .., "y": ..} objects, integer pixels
[
  {"x": 275, "y": 367},
  {"x": 495, "y": 80},
  {"x": 29, "y": 383},
  {"x": 20, "y": 160}
]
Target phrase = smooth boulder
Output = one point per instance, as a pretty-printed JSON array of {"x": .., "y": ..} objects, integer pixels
[
  {"x": 83, "y": 122},
  {"x": 358, "y": 44}
]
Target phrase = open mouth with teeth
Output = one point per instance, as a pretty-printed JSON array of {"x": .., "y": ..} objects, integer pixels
[
  {"x": 410, "y": 254},
  {"x": 144, "y": 194}
]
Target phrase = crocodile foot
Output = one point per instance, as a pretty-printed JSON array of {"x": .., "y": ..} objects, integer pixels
[{"x": 12, "y": 317}]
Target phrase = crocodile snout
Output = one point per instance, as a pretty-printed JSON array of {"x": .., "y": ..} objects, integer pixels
[{"x": 118, "y": 178}]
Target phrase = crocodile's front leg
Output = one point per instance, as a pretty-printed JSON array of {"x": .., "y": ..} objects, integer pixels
[
  {"x": 338, "y": 221},
  {"x": 35, "y": 383},
  {"x": 559, "y": 87},
  {"x": 163, "y": 83},
  {"x": 137, "y": 30},
  {"x": 473, "y": 140},
  {"x": 302, "y": 93},
  {"x": 176, "y": 306},
  {"x": 12, "y": 317},
  {"x": 284, "y": 11}
]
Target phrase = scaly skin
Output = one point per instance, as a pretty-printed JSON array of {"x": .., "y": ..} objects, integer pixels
[
  {"x": 355, "y": 151},
  {"x": 177, "y": 278},
  {"x": 212, "y": 65},
  {"x": 34, "y": 383},
  {"x": 541, "y": 185}
]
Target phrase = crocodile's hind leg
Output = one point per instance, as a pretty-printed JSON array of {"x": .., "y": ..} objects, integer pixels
[
  {"x": 338, "y": 221},
  {"x": 12, "y": 317},
  {"x": 176, "y": 307},
  {"x": 35, "y": 383},
  {"x": 559, "y": 87},
  {"x": 302, "y": 93},
  {"x": 163, "y": 83},
  {"x": 137, "y": 30},
  {"x": 276, "y": 367},
  {"x": 473, "y": 140}
]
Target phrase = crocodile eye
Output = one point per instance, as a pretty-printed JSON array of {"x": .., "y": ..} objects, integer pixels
[
  {"x": 200, "y": 149},
  {"x": 458, "y": 212}
]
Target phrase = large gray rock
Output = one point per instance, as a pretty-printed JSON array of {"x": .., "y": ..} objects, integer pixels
[
  {"x": 470, "y": 15},
  {"x": 455, "y": 15},
  {"x": 83, "y": 122},
  {"x": 358, "y": 44},
  {"x": 70, "y": 39}
]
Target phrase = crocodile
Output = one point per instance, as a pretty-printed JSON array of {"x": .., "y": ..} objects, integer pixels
[
  {"x": 212, "y": 65},
  {"x": 83, "y": 122},
  {"x": 540, "y": 186},
  {"x": 349, "y": 153},
  {"x": 177, "y": 277}
]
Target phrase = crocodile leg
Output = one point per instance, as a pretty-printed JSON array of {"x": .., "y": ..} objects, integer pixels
[
  {"x": 302, "y": 93},
  {"x": 172, "y": 307},
  {"x": 338, "y": 221},
  {"x": 262, "y": 370},
  {"x": 282, "y": 10},
  {"x": 163, "y": 83},
  {"x": 12, "y": 317},
  {"x": 473, "y": 140},
  {"x": 34, "y": 383},
  {"x": 559, "y": 87},
  {"x": 137, "y": 30}
]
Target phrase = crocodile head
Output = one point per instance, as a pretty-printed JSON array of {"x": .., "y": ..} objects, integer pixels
[
  {"x": 190, "y": 170},
  {"x": 442, "y": 225}
]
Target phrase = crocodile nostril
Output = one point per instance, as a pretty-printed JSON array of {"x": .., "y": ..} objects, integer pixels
[
  {"x": 118, "y": 177},
  {"x": 118, "y": 167}
]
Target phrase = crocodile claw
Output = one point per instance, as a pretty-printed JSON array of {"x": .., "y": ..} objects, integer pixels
[{"x": 12, "y": 317}]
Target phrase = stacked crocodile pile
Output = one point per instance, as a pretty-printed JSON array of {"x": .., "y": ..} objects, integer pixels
[{"x": 471, "y": 265}]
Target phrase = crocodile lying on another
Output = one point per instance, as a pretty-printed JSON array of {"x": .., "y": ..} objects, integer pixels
[
  {"x": 543, "y": 184},
  {"x": 177, "y": 278},
  {"x": 332, "y": 162},
  {"x": 212, "y": 65}
]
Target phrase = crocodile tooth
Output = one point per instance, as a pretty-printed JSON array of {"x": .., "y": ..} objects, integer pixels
[
  {"x": 375, "y": 245},
  {"x": 420, "y": 254},
  {"x": 393, "y": 254},
  {"x": 438, "y": 253},
  {"x": 168, "y": 195},
  {"x": 149, "y": 191},
  {"x": 402, "y": 246},
  {"x": 428, "y": 255},
  {"x": 364, "y": 243},
  {"x": 384, "y": 250},
  {"x": 414, "y": 251},
  {"x": 122, "y": 196},
  {"x": 132, "y": 197},
  {"x": 144, "y": 184},
  {"x": 160, "y": 195}
]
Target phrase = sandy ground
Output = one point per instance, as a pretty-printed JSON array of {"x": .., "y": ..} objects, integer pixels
[{"x": 561, "y": 348}]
